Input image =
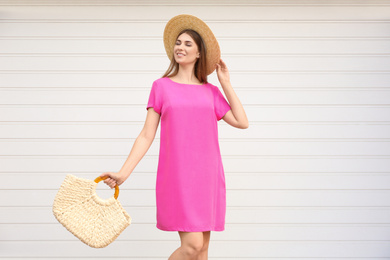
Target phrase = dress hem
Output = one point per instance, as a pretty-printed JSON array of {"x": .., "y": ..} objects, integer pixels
[{"x": 190, "y": 229}]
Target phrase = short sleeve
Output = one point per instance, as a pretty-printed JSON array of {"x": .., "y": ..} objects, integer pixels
[
  {"x": 155, "y": 98},
  {"x": 221, "y": 106}
]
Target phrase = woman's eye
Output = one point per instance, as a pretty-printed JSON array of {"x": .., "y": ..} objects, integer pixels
[{"x": 188, "y": 44}]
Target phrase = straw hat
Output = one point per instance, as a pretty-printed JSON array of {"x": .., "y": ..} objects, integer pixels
[{"x": 186, "y": 21}]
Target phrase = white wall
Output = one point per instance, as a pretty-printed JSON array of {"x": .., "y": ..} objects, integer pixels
[{"x": 309, "y": 179}]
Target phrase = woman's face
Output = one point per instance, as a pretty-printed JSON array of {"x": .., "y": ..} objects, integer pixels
[{"x": 185, "y": 50}]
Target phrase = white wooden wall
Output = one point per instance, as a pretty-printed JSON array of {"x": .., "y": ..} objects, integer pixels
[{"x": 309, "y": 179}]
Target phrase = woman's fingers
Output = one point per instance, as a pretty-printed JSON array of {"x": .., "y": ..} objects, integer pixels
[
  {"x": 223, "y": 64},
  {"x": 110, "y": 182},
  {"x": 112, "y": 179}
]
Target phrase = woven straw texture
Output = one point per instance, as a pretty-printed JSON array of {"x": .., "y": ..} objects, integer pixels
[
  {"x": 94, "y": 221},
  {"x": 186, "y": 21}
]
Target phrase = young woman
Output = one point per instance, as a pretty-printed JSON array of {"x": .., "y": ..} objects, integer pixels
[{"x": 190, "y": 187}]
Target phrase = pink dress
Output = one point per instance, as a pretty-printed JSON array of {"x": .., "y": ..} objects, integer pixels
[{"x": 190, "y": 184}]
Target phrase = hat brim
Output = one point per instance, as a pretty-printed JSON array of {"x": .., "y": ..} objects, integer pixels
[{"x": 186, "y": 21}]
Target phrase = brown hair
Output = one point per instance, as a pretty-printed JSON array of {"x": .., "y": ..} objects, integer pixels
[{"x": 200, "y": 65}]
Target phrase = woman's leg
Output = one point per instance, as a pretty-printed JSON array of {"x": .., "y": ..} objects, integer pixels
[
  {"x": 191, "y": 246},
  {"x": 204, "y": 251}
]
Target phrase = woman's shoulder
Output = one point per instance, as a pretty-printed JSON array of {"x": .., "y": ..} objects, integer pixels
[
  {"x": 211, "y": 84},
  {"x": 161, "y": 80},
  {"x": 158, "y": 83}
]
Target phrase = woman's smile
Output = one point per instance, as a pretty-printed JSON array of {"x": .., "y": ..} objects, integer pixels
[{"x": 185, "y": 49}]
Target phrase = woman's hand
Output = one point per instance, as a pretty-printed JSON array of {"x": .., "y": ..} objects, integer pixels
[
  {"x": 114, "y": 179},
  {"x": 222, "y": 72}
]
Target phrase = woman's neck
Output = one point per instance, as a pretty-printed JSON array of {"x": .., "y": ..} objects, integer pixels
[{"x": 186, "y": 75}]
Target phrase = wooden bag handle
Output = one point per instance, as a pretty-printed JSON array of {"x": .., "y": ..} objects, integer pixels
[{"x": 98, "y": 179}]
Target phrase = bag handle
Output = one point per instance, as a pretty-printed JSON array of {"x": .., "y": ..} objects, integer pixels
[{"x": 98, "y": 179}]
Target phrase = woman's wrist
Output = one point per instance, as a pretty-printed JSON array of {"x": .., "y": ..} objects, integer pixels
[
  {"x": 225, "y": 83},
  {"x": 122, "y": 176}
]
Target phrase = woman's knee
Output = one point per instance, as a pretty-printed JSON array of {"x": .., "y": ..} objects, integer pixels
[
  {"x": 190, "y": 250},
  {"x": 191, "y": 242}
]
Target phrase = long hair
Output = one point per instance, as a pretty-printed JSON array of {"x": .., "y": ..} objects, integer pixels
[{"x": 200, "y": 65}]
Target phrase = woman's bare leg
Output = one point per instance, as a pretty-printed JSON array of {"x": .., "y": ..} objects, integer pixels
[
  {"x": 191, "y": 246},
  {"x": 204, "y": 251}
]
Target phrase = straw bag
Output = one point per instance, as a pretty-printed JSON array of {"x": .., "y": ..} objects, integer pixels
[{"x": 96, "y": 222}]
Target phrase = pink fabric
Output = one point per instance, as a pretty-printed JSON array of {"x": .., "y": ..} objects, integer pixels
[{"x": 190, "y": 185}]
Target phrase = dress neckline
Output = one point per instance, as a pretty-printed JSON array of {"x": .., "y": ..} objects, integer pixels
[{"x": 184, "y": 83}]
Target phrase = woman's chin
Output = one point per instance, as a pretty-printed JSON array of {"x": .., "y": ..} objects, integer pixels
[
  {"x": 180, "y": 61},
  {"x": 183, "y": 63}
]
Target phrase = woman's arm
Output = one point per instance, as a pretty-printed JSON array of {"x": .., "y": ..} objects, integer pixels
[
  {"x": 140, "y": 147},
  {"x": 236, "y": 116},
  {"x": 142, "y": 143}
]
